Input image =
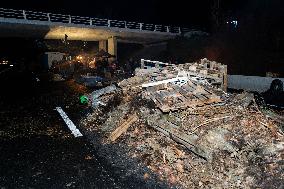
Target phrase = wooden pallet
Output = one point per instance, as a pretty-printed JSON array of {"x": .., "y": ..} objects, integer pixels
[{"x": 171, "y": 97}]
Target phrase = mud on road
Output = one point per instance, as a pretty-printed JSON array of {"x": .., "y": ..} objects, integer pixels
[{"x": 38, "y": 150}]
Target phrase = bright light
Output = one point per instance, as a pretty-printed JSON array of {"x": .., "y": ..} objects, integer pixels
[
  {"x": 11, "y": 65},
  {"x": 234, "y": 22},
  {"x": 4, "y": 62},
  {"x": 79, "y": 57}
]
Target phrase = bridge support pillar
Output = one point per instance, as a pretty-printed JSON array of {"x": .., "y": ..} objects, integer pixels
[
  {"x": 112, "y": 46},
  {"x": 103, "y": 45}
]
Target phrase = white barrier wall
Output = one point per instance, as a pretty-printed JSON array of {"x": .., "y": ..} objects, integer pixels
[{"x": 250, "y": 83}]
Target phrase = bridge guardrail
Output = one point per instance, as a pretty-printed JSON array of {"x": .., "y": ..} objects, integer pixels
[
  {"x": 61, "y": 18},
  {"x": 10, "y": 13},
  {"x": 100, "y": 22}
]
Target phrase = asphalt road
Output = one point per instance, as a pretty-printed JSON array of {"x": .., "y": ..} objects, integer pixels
[{"x": 37, "y": 150}]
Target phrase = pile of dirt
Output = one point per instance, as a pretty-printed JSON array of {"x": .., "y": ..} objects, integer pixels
[{"x": 229, "y": 143}]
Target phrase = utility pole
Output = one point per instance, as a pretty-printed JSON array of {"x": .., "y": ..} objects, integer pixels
[{"x": 215, "y": 13}]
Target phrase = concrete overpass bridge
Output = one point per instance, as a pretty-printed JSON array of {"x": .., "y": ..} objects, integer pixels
[{"x": 31, "y": 24}]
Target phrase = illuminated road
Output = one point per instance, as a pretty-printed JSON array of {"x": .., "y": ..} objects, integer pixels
[{"x": 39, "y": 151}]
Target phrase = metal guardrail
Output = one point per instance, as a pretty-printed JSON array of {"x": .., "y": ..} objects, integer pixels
[
  {"x": 145, "y": 64},
  {"x": 60, "y": 18}
]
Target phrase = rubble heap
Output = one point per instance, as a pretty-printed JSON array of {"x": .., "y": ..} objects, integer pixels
[
  {"x": 211, "y": 72},
  {"x": 190, "y": 132}
]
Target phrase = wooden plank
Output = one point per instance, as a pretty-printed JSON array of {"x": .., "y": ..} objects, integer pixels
[
  {"x": 187, "y": 140},
  {"x": 189, "y": 87},
  {"x": 225, "y": 78},
  {"x": 123, "y": 127},
  {"x": 177, "y": 79},
  {"x": 180, "y": 90},
  {"x": 158, "y": 97},
  {"x": 176, "y": 97}
]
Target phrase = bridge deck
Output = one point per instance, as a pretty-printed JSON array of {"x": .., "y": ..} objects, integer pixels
[
  {"x": 43, "y": 29},
  {"x": 20, "y": 23}
]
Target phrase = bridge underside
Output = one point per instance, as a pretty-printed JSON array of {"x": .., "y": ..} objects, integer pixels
[{"x": 47, "y": 30}]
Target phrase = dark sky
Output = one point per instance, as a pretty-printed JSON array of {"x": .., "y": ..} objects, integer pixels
[{"x": 190, "y": 13}]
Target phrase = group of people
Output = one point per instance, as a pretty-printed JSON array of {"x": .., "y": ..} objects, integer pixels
[
  {"x": 103, "y": 65},
  {"x": 130, "y": 66}
]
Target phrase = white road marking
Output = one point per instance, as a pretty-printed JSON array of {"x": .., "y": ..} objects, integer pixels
[{"x": 69, "y": 123}]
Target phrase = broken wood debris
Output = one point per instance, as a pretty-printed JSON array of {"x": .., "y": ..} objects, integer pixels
[
  {"x": 188, "y": 141},
  {"x": 210, "y": 121},
  {"x": 123, "y": 127},
  {"x": 171, "y": 97},
  {"x": 213, "y": 72},
  {"x": 184, "y": 115},
  {"x": 95, "y": 96}
]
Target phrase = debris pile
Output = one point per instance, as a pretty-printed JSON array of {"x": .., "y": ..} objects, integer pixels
[
  {"x": 210, "y": 72},
  {"x": 170, "y": 97},
  {"x": 99, "y": 95},
  {"x": 180, "y": 123}
]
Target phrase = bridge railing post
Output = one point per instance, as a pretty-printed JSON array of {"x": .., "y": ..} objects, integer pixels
[
  {"x": 142, "y": 64},
  {"x": 70, "y": 21},
  {"x": 125, "y": 24},
  {"x": 179, "y": 30},
  {"x": 24, "y": 14},
  {"x": 108, "y": 23},
  {"x": 156, "y": 64},
  {"x": 155, "y": 28},
  {"x": 168, "y": 29},
  {"x": 48, "y": 17},
  {"x": 141, "y": 26},
  {"x": 91, "y": 22}
]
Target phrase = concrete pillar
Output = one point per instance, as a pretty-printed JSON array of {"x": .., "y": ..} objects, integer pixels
[
  {"x": 103, "y": 45},
  {"x": 112, "y": 46}
]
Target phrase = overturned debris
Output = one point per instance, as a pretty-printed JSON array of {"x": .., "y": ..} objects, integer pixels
[
  {"x": 123, "y": 127},
  {"x": 58, "y": 77},
  {"x": 190, "y": 118},
  {"x": 189, "y": 141},
  {"x": 90, "y": 81},
  {"x": 171, "y": 97},
  {"x": 97, "y": 94},
  {"x": 211, "y": 72},
  {"x": 174, "y": 87}
]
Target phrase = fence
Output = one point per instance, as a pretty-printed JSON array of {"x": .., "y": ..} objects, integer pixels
[{"x": 60, "y": 18}]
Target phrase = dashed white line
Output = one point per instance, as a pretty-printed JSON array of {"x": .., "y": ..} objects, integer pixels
[{"x": 69, "y": 123}]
